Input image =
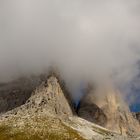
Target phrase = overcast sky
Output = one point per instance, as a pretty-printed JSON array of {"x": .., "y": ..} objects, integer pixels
[{"x": 98, "y": 40}]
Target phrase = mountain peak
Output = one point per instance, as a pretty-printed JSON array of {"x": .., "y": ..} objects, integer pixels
[
  {"x": 50, "y": 97},
  {"x": 50, "y": 106}
]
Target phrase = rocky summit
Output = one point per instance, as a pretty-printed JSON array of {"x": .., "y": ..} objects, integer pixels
[
  {"x": 44, "y": 111},
  {"x": 49, "y": 98}
]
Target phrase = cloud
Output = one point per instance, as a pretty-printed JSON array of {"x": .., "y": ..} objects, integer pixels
[{"x": 88, "y": 40}]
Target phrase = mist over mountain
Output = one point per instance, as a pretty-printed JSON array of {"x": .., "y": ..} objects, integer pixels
[
  {"x": 89, "y": 41},
  {"x": 69, "y": 69},
  {"x": 40, "y": 107}
]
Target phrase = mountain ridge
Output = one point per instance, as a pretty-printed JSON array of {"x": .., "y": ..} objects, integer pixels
[{"x": 48, "y": 106}]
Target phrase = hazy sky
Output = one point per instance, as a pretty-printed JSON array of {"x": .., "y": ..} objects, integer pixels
[{"x": 97, "y": 40}]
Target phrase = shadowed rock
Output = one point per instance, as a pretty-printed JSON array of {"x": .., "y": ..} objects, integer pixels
[
  {"x": 17, "y": 92},
  {"x": 91, "y": 112},
  {"x": 137, "y": 116}
]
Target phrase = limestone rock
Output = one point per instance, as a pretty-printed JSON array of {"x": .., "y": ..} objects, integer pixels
[
  {"x": 106, "y": 108},
  {"x": 49, "y": 97}
]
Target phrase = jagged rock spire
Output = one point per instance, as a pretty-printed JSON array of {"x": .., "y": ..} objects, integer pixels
[{"x": 48, "y": 98}]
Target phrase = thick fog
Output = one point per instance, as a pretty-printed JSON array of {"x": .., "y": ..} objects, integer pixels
[{"x": 88, "y": 40}]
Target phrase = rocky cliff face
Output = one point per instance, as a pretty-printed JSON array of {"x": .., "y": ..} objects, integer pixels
[
  {"x": 137, "y": 116},
  {"x": 48, "y": 98},
  {"x": 108, "y": 111}
]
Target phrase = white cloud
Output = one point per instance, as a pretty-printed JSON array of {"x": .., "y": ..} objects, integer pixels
[{"x": 87, "y": 39}]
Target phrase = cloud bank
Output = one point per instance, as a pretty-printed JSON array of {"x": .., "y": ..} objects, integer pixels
[{"x": 86, "y": 39}]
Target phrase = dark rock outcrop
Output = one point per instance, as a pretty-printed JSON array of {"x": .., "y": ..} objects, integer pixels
[
  {"x": 87, "y": 109},
  {"x": 17, "y": 92},
  {"x": 137, "y": 116}
]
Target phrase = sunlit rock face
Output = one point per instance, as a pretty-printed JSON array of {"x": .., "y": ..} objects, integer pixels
[
  {"x": 105, "y": 106},
  {"x": 49, "y": 97}
]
